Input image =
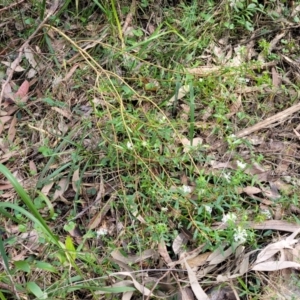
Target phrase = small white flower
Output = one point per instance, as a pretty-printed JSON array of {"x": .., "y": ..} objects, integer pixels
[
  {"x": 102, "y": 231},
  {"x": 208, "y": 208},
  {"x": 241, "y": 165},
  {"x": 243, "y": 80},
  {"x": 186, "y": 189},
  {"x": 162, "y": 119},
  {"x": 240, "y": 235},
  {"x": 201, "y": 192},
  {"x": 129, "y": 145},
  {"x": 266, "y": 213},
  {"x": 227, "y": 176},
  {"x": 144, "y": 143},
  {"x": 229, "y": 217},
  {"x": 164, "y": 209}
]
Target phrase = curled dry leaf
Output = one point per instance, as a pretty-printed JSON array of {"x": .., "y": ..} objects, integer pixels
[
  {"x": 63, "y": 186},
  {"x": 179, "y": 242},
  {"x": 29, "y": 56},
  {"x": 187, "y": 255},
  {"x": 274, "y": 248},
  {"x": 46, "y": 188},
  {"x": 99, "y": 216},
  {"x": 181, "y": 93}
]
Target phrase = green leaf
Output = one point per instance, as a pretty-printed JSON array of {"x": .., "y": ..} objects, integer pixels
[
  {"x": 70, "y": 247},
  {"x": 36, "y": 290},
  {"x": 22, "y": 265},
  {"x": 2, "y": 297},
  {"x": 3, "y": 255},
  {"x": 45, "y": 266},
  {"x": 35, "y": 216}
]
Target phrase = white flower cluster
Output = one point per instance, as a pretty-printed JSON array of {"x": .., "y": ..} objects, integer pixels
[
  {"x": 129, "y": 145},
  {"x": 227, "y": 176},
  {"x": 240, "y": 235},
  {"x": 230, "y": 217},
  {"x": 266, "y": 213},
  {"x": 241, "y": 165},
  {"x": 208, "y": 209},
  {"x": 233, "y": 3},
  {"x": 186, "y": 189}
]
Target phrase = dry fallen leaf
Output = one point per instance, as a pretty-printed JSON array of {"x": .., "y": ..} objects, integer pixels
[
  {"x": 3, "y": 120},
  {"x": 179, "y": 242},
  {"x": 181, "y": 93},
  {"x": 251, "y": 190},
  {"x": 197, "y": 289},
  {"x": 275, "y": 266},
  {"x": 98, "y": 217},
  {"x": 274, "y": 248},
  {"x": 63, "y": 186},
  {"x": 187, "y": 143},
  {"x": 23, "y": 89},
  {"x": 199, "y": 260},
  {"x": 32, "y": 167},
  {"x": 75, "y": 181},
  {"x": 12, "y": 130},
  {"x": 11, "y": 66},
  {"x": 162, "y": 250}
]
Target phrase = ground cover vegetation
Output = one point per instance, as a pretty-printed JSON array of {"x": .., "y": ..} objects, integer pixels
[{"x": 149, "y": 149}]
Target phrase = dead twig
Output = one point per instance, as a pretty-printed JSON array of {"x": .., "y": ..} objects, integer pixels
[
  {"x": 11, "y": 6},
  {"x": 156, "y": 283},
  {"x": 278, "y": 118},
  {"x": 17, "y": 61}
]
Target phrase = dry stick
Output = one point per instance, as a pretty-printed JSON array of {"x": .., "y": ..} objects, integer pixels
[
  {"x": 5, "y": 286},
  {"x": 280, "y": 117},
  {"x": 17, "y": 61},
  {"x": 234, "y": 290},
  {"x": 10, "y": 6},
  {"x": 156, "y": 283}
]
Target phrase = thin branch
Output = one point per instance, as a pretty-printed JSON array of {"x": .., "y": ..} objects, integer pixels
[{"x": 11, "y": 6}]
